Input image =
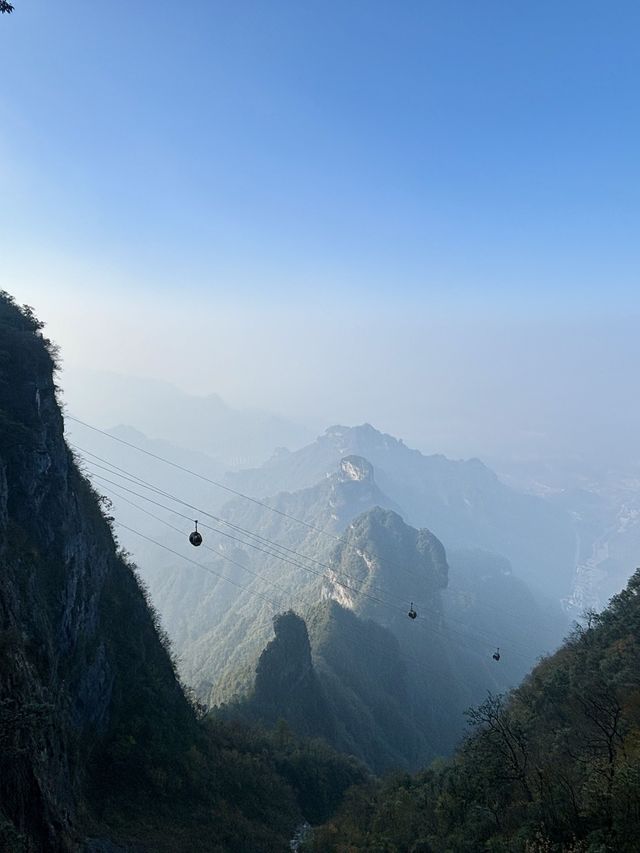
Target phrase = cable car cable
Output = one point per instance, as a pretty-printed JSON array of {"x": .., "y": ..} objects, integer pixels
[
  {"x": 428, "y": 627},
  {"x": 237, "y": 493},
  {"x": 437, "y": 614}
]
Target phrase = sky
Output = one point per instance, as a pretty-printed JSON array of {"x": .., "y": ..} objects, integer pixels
[{"x": 419, "y": 214}]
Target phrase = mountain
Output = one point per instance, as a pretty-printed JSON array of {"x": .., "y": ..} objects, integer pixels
[
  {"x": 554, "y": 766},
  {"x": 367, "y": 681},
  {"x": 363, "y": 699},
  {"x": 100, "y": 748},
  {"x": 346, "y": 681},
  {"x": 462, "y": 502},
  {"x": 220, "y": 629},
  {"x": 285, "y": 669},
  {"x": 377, "y": 551},
  {"x": 205, "y": 424},
  {"x": 343, "y": 539},
  {"x": 392, "y": 690}
]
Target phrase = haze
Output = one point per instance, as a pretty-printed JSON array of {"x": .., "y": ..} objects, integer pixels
[{"x": 424, "y": 217}]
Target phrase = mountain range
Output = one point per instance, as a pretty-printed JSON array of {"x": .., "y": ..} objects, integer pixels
[
  {"x": 161, "y": 411},
  {"x": 463, "y": 502},
  {"x": 343, "y": 540}
]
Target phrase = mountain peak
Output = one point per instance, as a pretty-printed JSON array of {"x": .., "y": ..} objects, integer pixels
[
  {"x": 360, "y": 431},
  {"x": 379, "y": 546}
]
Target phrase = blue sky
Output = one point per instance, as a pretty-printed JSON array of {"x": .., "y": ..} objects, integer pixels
[
  {"x": 278, "y": 163},
  {"x": 430, "y": 146}
]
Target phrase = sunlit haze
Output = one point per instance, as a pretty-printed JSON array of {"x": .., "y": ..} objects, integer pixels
[{"x": 423, "y": 216}]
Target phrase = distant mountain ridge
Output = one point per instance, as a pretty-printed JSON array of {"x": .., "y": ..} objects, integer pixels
[
  {"x": 374, "y": 569},
  {"x": 160, "y": 410},
  {"x": 462, "y": 502},
  {"x": 220, "y": 630}
]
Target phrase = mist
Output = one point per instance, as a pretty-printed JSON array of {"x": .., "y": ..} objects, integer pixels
[{"x": 505, "y": 384}]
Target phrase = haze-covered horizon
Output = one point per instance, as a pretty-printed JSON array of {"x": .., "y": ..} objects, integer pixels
[
  {"x": 504, "y": 395},
  {"x": 422, "y": 217}
]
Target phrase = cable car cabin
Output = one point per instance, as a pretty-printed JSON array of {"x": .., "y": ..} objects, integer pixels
[
  {"x": 412, "y": 613},
  {"x": 496, "y": 654},
  {"x": 195, "y": 538}
]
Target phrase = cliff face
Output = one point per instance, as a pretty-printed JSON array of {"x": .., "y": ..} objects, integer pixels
[{"x": 68, "y": 665}]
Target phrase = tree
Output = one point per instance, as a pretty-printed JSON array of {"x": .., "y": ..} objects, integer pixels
[
  {"x": 5, "y": 8},
  {"x": 499, "y": 734}
]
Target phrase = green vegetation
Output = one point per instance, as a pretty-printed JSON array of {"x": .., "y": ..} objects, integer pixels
[
  {"x": 555, "y": 766},
  {"x": 229, "y": 786},
  {"x": 355, "y": 693},
  {"x": 349, "y": 681},
  {"x": 443, "y": 661}
]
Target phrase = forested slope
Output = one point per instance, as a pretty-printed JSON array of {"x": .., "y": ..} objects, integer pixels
[
  {"x": 555, "y": 766},
  {"x": 352, "y": 689}
]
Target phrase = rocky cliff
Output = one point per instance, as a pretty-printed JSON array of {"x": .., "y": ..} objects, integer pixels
[{"x": 74, "y": 626}]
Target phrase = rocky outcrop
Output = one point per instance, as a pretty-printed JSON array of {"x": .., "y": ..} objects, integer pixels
[
  {"x": 356, "y": 468},
  {"x": 286, "y": 685},
  {"x": 353, "y": 490}
]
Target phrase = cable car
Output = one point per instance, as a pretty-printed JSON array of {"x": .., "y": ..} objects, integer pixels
[
  {"x": 195, "y": 538},
  {"x": 412, "y": 613},
  {"x": 496, "y": 654}
]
